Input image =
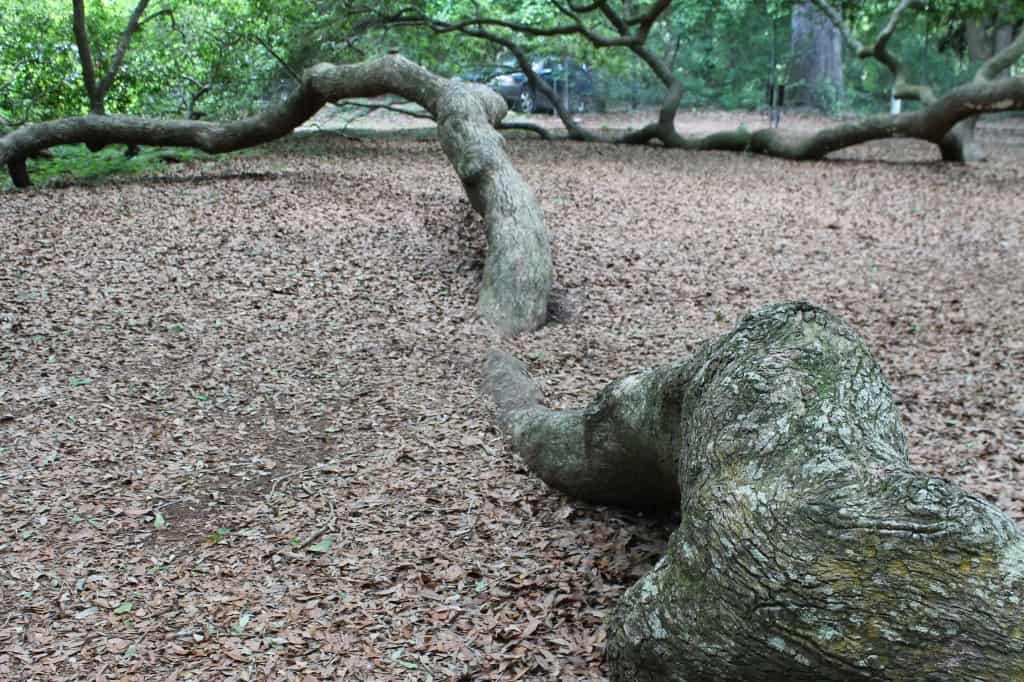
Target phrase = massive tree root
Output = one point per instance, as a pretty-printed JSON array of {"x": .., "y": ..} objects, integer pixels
[
  {"x": 808, "y": 549},
  {"x": 517, "y": 272}
]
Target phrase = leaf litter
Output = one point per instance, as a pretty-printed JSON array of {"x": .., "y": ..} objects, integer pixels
[{"x": 240, "y": 423}]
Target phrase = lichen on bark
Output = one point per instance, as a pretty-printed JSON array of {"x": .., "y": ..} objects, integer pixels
[{"x": 807, "y": 547}]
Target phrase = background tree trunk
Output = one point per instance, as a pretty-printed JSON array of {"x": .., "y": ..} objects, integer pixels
[
  {"x": 808, "y": 549},
  {"x": 982, "y": 42},
  {"x": 816, "y": 69}
]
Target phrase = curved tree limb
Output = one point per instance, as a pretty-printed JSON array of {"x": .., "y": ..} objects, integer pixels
[
  {"x": 808, "y": 549},
  {"x": 1002, "y": 60},
  {"x": 932, "y": 124},
  {"x": 517, "y": 272},
  {"x": 957, "y": 144},
  {"x": 540, "y": 131}
]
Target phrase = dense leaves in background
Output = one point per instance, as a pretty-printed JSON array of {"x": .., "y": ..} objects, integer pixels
[
  {"x": 39, "y": 68},
  {"x": 191, "y": 53}
]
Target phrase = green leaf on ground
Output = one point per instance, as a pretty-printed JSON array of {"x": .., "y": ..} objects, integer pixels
[
  {"x": 322, "y": 546},
  {"x": 243, "y": 620}
]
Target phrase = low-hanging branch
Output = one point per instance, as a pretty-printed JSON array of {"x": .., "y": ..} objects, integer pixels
[
  {"x": 931, "y": 123},
  {"x": 517, "y": 271},
  {"x": 808, "y": 549}
]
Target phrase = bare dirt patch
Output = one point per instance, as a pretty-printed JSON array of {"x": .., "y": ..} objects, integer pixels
[{"x": 240, "y": 423}]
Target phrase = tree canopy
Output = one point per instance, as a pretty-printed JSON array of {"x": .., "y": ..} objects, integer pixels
[{"x": 227, "y": 57}]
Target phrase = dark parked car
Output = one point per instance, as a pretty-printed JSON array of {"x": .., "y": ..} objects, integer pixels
[{"x": 583, "y": 92}]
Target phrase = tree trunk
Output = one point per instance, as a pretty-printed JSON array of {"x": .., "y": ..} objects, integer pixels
[
  {"x": 517, "y": 272},
  {"x": 961, "y": 139},
  {"x": 816, "y": 70},
  {"x": 1004, "y": 35},
  {"x": 808, "y": 549}
]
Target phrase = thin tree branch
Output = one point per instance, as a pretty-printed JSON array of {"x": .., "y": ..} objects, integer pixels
[
  {"x": 543, "y": 132},
  {"x": 122, "y": 48},
  {"x": 370, "y": 108},
  {"x": 166, "y": 12},
  {"x": 84, "y": 50},
  {"x": 1002, "y": 60},
  {"x": 266, "y": 46},
  {"x": 576, "y": 132}
]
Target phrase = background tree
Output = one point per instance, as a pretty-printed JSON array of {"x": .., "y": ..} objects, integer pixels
[
  {"x": 606, "y": 26},
  {"x": 816, "y": 64},
  {"x": 96, "y": 79}
]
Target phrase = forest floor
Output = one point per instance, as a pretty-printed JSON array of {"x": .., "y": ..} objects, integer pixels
[{"x": 240, "y": 427}]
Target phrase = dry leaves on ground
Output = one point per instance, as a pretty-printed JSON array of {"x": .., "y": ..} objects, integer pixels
[{"x": 241, "y": 430}]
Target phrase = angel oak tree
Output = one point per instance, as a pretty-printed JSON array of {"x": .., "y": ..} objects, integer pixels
[
  {"x": 605, "y": 27},
  {"x": 808, "y": 549},
  {"x": 517, "y": 271}
]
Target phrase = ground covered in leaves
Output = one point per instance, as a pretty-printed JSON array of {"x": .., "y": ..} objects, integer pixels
[{"x": 240, "y": 427}]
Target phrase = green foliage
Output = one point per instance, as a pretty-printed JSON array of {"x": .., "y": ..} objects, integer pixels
[
  {"x": 230, "y": 58},
  {"x": 39, "y": 73},
  {"x": 189, "y": 49},
  {"x": 211, "y": 60},
  {"x": 75, "y": 162}
]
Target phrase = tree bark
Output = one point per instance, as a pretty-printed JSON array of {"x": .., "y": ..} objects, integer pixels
[
  {"x": 518, "y": 270},
  {"x": 816, "y": 70},
  {"x": 808, "y": 549}
]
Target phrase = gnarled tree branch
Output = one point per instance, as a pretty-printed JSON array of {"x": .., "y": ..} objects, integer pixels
[
  {"x": 1002, "y": 60},
  {"x": 936, "y": 122},
  {"x": 807, "y": 549},
  {"x": 517, "y": 272}
]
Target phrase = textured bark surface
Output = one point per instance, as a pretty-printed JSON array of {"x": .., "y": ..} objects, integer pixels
[
  {"x": 808, "y": 549},
  {"x": 517, "y": 273}
]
